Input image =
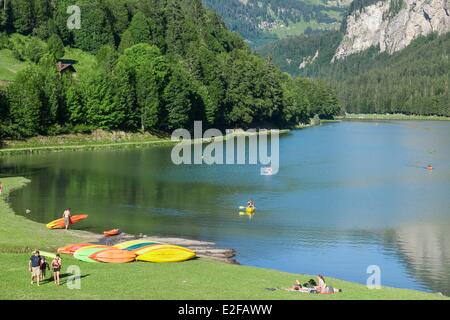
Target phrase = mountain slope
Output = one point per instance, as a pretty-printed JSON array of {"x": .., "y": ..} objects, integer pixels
[
  {"x": 392, "y": 24},
  {"x": 386, "y": 58},
  {"x": 264, "y": 21}
]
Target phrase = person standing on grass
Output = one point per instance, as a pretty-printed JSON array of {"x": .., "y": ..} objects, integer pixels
[
  {"x": 67, "y": 215},
  {"x": 34, "y": 265},
  {"x": 44, "y": 268},
  {"x": 56, "y": 266},
  {"x": 1, "y": 188}
]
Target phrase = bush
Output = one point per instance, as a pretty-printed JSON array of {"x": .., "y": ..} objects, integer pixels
[
  {"x": 57, "y": 130},
  {"x": 4, "y": 41},
  {"x": 83, "y": 128}
]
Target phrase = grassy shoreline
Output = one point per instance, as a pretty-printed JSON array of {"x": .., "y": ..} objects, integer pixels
[
  {"x": 397, "y": 116},
  {"x": 197, "y": 279},
  {"x": 99, "y": 140}
]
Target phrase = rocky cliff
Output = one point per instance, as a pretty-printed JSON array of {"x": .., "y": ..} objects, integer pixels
[{"x": 392, "y": 25}]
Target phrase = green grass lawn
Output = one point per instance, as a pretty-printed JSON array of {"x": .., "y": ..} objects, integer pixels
[
  {"x": 84, "y": 62},
  {"x": 9, "y": 65},
  {"x": 196, "y": 279},
  {"x": 18, "y": 234}
]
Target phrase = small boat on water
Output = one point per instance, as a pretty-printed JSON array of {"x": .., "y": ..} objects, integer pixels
[
  {"x": 267, "y": 171},
  {"x": 112, "y": 233}
]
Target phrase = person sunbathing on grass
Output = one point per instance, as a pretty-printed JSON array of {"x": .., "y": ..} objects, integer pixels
[
  {"x": 324, "y": 288},
  {"x": 298, "y": 287}
]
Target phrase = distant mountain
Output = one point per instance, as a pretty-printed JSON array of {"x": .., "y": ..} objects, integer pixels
[
  {"x": 388, "y": 56},
  {"x": 264, "y": 21}
]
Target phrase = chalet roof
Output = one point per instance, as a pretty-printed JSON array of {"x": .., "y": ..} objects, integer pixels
[{"x": 66, "y": 66}]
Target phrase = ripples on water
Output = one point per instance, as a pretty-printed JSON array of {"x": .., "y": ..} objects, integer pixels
[{"x": 348, "y": 195}]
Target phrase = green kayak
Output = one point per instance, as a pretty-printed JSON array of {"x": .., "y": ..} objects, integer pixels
[{"x": 84, "y": 253}]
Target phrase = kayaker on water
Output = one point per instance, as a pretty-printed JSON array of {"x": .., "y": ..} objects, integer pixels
[
  {"x": 430, "y": 167},
  {"x": 250, "y": 204},
  {"x": 67, "y": 215}
]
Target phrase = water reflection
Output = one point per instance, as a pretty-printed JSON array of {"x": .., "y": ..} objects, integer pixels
[{"x": 347, "y": 196}]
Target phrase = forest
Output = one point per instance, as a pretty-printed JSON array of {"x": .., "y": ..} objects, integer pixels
[
  {"x": 254, "y": 20},
  {"x": 414, "y": 80},
  {"x": 159, "y": 65}
]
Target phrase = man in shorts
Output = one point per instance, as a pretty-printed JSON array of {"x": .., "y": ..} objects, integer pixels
[
  {"x": 34, "y": 265},
  {"x": 67, "y": 215}
]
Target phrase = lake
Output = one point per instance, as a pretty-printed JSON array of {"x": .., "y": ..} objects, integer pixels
[{"x": 348, "y": 195}]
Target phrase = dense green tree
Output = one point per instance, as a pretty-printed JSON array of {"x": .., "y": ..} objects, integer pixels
[
  {"x": 160, "y": 65},
  {"x": 177, "y": 99},
  {"x": 4, "y": 113},
  {"x": 56, "y": 46},
  {"x": 34, "y": 50},
  {"x": 96, "y": 29},
  {"x": 139, "y": 28},
  {"x": 107, "y": 58},
  {"x": 41, "y": 11},
  {"x": 6, "y": 16},
  {"x": 25, "y": 103},
  {"x": 124, "y": 89},
  {"x": 22, "y": 16},
  {"x": 151, "y": 78}
]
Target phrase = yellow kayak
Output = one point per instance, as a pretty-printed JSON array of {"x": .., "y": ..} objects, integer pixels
[
  {"x": 127, "y": 244},
  {"x": 250, "y": 210},
  {"x": 166, "y": 253}
]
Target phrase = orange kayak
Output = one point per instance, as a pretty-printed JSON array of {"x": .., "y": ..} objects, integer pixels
[
  {"x": 111, "y": 233},
  {"x": 59, "y": 223},
  {"x": 114, "y": 256},
  {"x": 71, "y": 248}
]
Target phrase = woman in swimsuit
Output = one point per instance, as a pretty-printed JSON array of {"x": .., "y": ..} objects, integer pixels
[{"x": 56, "y": 265}]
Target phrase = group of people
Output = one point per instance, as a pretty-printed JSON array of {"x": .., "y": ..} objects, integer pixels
[
  {"x": 313, "y": 287},
  {"x": 38, "y": 266}
]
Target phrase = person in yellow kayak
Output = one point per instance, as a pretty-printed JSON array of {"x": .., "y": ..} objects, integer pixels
[
  {"x": 250, "y": 204},
  {"x": 66, "y": 216}
]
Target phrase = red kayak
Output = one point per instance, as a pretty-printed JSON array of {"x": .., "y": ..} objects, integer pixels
[
  {"x": 59, "y": 223},
  {"x": 71, "y": 248}
]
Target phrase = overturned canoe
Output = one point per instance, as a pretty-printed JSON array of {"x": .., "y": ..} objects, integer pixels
[
  {"x": 59, "y": 223},
  {"x": 84, "y": 254},
  {"x": 111, "y": 233},
  {"x": 139, "y": 246},
  {"x": 132, "y": 243},
  {"x": 166, "y": 253},
  {"x": 113, "y": 256},
  {"x": 71, "y": 248}
]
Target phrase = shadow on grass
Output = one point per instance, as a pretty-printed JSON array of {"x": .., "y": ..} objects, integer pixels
[{"x": 63, "y": 278}]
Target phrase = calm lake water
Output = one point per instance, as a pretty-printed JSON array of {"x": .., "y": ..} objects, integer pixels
[{"x": 348, "y": 195}]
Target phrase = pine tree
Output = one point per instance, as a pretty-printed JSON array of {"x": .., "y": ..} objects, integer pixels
[{"x": 56, "y": 46}]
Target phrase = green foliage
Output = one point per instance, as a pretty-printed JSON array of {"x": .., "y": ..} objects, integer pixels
[
  {"x": 288, "y": 54},
  {"x": 412, "y": 81},
  {"x": 177, "y": 99},
  {"x": 4, "y": 112},
  {"x": 25, "y": 103},
  {"x": 158, "y": 66},
  {"x": 259, "y": 20},
  {"x": 97, "y": 29},
  {"x": 22, "y": 16},
  {"x": 56, "y": 46}
]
